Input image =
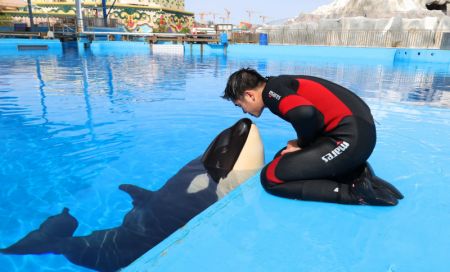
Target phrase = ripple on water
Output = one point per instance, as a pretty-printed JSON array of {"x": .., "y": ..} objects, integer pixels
[{"x": 74, "y": 127}]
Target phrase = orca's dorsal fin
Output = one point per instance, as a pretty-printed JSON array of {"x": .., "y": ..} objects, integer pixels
[{"x": 138, "y": 194}]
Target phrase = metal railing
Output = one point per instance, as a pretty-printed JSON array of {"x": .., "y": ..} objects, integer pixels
[
  {"x": 244, "y": 37},
  {"x": 359, "y": 38},
  {"x": 64, "y": 29},
  {"x": 155, "y": 37},
  {"x": 6, "y": 23},
  {"x": 99, "y": 22}
]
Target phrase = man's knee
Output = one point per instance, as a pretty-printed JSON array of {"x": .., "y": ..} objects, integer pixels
[
  {"x": 266, "y": 182},
  {"x": 279, "y": 153}
]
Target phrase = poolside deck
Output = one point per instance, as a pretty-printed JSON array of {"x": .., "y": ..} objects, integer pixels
[{"x": 251, "y": 230}]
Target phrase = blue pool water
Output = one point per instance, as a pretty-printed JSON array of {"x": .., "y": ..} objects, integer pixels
[{"x": 76, "y": 124}]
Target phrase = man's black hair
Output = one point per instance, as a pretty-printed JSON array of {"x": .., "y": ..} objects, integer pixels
[{"x": 240, "y": 81}]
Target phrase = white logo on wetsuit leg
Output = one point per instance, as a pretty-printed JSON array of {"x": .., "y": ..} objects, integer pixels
[
  {"x": 342, "y": 146},
  {"x": 274, "y": 95}
]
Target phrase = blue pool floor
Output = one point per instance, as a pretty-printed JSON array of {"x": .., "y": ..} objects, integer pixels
[
  {"x": 251, "y": 230},
  {"x": 75, "y": 125}
]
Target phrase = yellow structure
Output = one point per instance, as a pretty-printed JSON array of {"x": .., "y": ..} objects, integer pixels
[
  {"x": 12, "y": 4},
  {"x": 130, "y": 15}
]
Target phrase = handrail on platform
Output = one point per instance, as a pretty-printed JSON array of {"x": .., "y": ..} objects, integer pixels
[
  {"x": 154, "y": 37},
  {"x": 20, "y": 34}
]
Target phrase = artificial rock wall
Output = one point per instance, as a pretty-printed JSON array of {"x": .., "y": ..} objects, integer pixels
[{"x": 381, "y": 15}]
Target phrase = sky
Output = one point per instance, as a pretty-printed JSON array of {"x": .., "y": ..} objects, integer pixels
[{"x": 278, "y": 9}]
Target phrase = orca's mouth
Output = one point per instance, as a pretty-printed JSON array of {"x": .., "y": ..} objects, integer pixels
[{"x": 223, "y": 152}]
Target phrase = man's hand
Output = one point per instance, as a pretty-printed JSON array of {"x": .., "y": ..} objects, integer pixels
[{"x": 291, "y": 147}]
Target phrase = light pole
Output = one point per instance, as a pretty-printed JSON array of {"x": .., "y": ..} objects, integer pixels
[
  {"x": 30, "y": 14},
  {"x": 105, "y": 14},
  {"x": 79, "y": 15}
]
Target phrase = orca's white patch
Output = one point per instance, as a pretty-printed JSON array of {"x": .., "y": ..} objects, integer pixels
[
  {"x": 233, "y": 180},
  {"x": 250, "y": 160},
  {"x": 199, "y": 183}
]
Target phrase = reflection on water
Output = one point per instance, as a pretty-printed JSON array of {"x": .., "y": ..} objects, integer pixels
[
  {"x": 73, "y": 126},
  {"x": 75, "y": 103},
  {"x": 428, "y": 84}
]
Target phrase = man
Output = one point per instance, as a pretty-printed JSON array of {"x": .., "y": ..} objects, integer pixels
[{"x": 335, "y": 137}]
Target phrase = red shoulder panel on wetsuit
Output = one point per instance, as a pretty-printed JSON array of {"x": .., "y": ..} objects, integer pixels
[
  {"x": 332, "y": 108},
  {"x": 291, "y": 101}
]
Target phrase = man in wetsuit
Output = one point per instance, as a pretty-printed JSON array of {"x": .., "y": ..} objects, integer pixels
[{"x": 335, "y": 137}]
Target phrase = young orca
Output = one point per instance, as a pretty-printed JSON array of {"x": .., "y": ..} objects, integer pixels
[{"x": 234, "y": 155}]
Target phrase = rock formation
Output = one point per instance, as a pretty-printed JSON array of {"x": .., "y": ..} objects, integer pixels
[
  {"x": 383, "y": 8},
  {"x": 384, "y": 15}
]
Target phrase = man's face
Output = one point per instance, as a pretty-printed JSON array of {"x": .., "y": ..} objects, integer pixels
[{"x": 250, "y": 104}]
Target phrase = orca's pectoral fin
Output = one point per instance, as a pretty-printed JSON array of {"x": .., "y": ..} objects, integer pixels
[
  {"x": 47, "y": 237},
  {"x": 138, "y": 194},
  {"x": 380, "y": 184}
]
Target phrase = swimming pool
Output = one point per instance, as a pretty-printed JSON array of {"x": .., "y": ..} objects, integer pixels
[{"x": 76, "y": 124}]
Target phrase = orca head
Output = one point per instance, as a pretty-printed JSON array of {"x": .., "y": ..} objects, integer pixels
[{"x": 235, "y": 155}]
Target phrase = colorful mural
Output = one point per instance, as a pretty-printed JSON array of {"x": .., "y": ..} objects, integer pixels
[
  {"x": 158, "y": 20},
  {"x": 134, "y": 16}
]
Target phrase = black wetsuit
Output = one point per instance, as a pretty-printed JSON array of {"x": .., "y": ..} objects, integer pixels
[{"x": 336, "y": 133}]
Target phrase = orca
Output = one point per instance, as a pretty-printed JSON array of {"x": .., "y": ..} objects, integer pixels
[{"x": 235, "y": 155}]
